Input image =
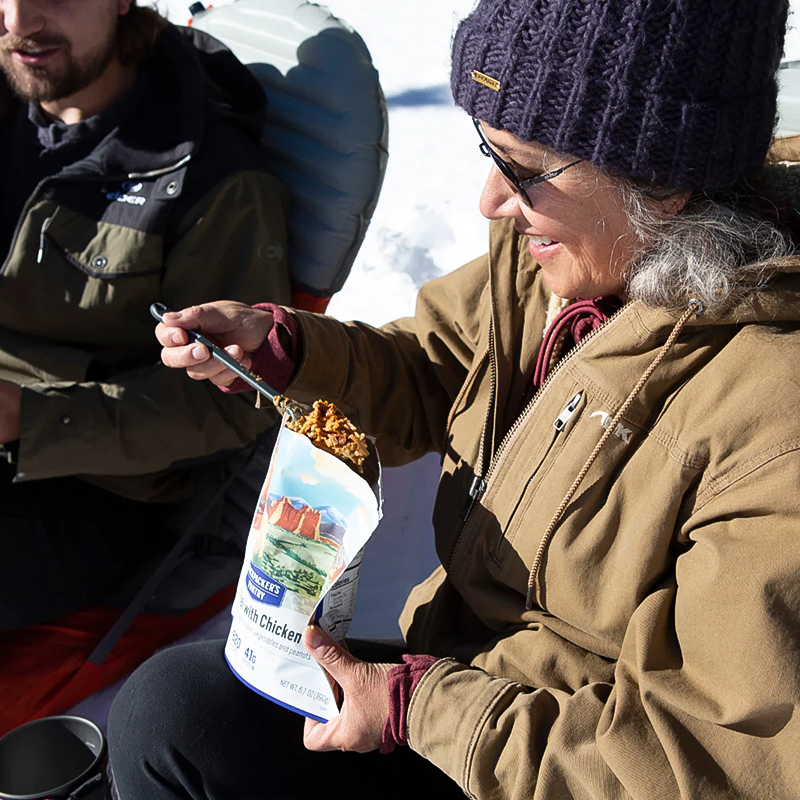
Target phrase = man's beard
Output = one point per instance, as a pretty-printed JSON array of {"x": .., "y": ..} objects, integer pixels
[{"x": 43, "y": 84}]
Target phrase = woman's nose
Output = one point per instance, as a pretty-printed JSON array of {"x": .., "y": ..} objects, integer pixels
[{"x": 499, "y": 199}]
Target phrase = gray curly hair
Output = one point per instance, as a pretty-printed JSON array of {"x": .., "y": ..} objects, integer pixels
[{"x": 718, "y": 249}]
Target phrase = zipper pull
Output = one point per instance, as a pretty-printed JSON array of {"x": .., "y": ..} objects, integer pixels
[
  {"x": 475, "y": 493},
  {"x": 42, "y": 241},
  {"x": 564, "y": 417}
]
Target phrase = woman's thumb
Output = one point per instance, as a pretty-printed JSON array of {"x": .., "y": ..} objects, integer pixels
[{"x": 325, "y": 651}]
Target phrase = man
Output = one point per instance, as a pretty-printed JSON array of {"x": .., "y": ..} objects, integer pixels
[{"x": 131, "y": 173}]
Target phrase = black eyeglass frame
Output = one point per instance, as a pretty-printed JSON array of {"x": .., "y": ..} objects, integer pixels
[{"x": 507, "y": 171}]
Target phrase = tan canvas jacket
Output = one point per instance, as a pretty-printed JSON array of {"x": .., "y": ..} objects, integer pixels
[{"x": 661, "y": 657}]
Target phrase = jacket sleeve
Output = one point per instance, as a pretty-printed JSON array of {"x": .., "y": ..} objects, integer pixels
[
  {"x": 398, "y": 382},
  {"x": 231, "y": 245},
  {"x": 705, "y": 693}
]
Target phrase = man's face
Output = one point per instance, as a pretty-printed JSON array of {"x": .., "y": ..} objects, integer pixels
[{"x": 51, "y": 49}]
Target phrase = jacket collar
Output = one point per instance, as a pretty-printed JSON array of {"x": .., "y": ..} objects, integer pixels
[{"x": 185, "y": 95}]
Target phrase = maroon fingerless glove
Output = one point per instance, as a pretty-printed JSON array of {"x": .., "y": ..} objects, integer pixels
[
  {"x": 280, "y": 353},
  {"x": 403, "y": 679}
]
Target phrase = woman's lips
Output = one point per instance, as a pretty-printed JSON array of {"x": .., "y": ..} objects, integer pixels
[
  {"x": 541, "y": 247},
  {"x": 34, "y": 58}
]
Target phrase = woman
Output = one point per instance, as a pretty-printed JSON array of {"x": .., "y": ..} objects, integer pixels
[{"x": 613, "y": 391}]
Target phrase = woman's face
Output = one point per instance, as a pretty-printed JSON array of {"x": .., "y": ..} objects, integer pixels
[{"x": 575, "y": 226}]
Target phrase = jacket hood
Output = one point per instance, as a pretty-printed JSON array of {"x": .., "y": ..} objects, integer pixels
[
  {"x": 231, "y": 90},
  {"x": 196, "y": 80}
]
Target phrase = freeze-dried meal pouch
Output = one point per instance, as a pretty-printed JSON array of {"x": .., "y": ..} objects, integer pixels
[{"x": 313, "y": 517}]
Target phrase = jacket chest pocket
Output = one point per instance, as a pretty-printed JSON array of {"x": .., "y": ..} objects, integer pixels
[
  {"x": 533, "y": 459},
  {"x": 84, "y": 264},
  {"x": 486, "y": 535}
]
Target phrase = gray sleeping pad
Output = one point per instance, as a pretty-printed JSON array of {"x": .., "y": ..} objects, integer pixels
[{"x": 326, "y": 131}]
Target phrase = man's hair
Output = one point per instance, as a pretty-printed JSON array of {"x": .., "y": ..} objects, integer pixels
[{"x": 137, "y": 32}]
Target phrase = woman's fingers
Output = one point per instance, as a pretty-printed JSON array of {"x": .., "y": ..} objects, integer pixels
[
  {"x": 235, "y": 326},
  {"x": 218, "y": 317},
  {"x": 199, "y": 365},
  {"x": 321, "y": 737},
  {"x": 169, "y": 336},
  {"x": 224, "y": 321},
  {"x": 366, "y": 698}
]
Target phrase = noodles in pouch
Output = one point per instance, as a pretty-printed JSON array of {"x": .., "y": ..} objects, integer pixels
[{"x": 320, "y": 503}]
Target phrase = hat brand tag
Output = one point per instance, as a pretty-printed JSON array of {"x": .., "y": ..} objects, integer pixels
[{"x": 491, "y": 83}]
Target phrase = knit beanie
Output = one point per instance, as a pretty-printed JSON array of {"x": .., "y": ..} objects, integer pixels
[{"x": 680, "y": 92}]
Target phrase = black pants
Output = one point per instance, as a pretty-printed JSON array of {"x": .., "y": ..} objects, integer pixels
[
  {"x": 183, "y": 726},
  {"x": 64, "y": 544}
]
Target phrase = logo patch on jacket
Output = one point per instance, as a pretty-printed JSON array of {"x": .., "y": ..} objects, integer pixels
[
  {"x": 621, "y": 432},
  {"x": 127, "y": 194}
]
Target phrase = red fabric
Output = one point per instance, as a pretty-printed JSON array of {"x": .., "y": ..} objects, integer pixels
[
  {"x": 309, "y": 302},
  {"x": 577, "y": 319},
  {"x": 274, "y": 363},
  {"x": 44, "y": 669},
  {"x": 403, "y": 679}
]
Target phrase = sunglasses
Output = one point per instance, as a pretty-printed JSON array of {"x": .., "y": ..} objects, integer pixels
[{"x": 508, "y": 172}]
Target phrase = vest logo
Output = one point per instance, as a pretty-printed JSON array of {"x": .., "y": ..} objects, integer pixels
[
  {"x": 126, "y": 198},
  {"x": 620, "y": 431},
  {"x": 127, "y": 195}
]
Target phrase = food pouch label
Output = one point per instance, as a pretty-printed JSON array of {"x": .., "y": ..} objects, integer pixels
[{"x": 313, "y": 517}]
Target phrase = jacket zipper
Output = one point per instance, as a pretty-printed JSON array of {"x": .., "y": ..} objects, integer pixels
[
  {"x": 566, "y": 415},
  {"x": 478, "y": 484},
  {"x": 481, "y": 481},
  {"x": 23, "y": 214},
  {"x": 59, "y": 179}
]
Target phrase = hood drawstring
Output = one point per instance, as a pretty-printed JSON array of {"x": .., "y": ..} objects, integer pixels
[
  {"x": 695, "y": 307},
  {"x": 43, "y": 240}
]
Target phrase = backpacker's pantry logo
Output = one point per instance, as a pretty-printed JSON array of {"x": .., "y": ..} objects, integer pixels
[{"x": 263, "y": 588}]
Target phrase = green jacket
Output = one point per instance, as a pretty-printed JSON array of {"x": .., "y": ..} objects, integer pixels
[
  {"x": 660, "y": 656},
  {"x": 176, "y": 206}
]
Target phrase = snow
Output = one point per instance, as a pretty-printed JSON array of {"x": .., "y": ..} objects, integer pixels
[{"x": 791, "y": 48}]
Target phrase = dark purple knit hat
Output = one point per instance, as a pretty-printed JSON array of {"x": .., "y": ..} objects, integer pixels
[{"x": 681, "y": 92}]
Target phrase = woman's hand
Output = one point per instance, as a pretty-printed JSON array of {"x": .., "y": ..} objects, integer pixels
[
  {"x": 237, "y": 327},
  {"x": 366, "y": 698}
]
